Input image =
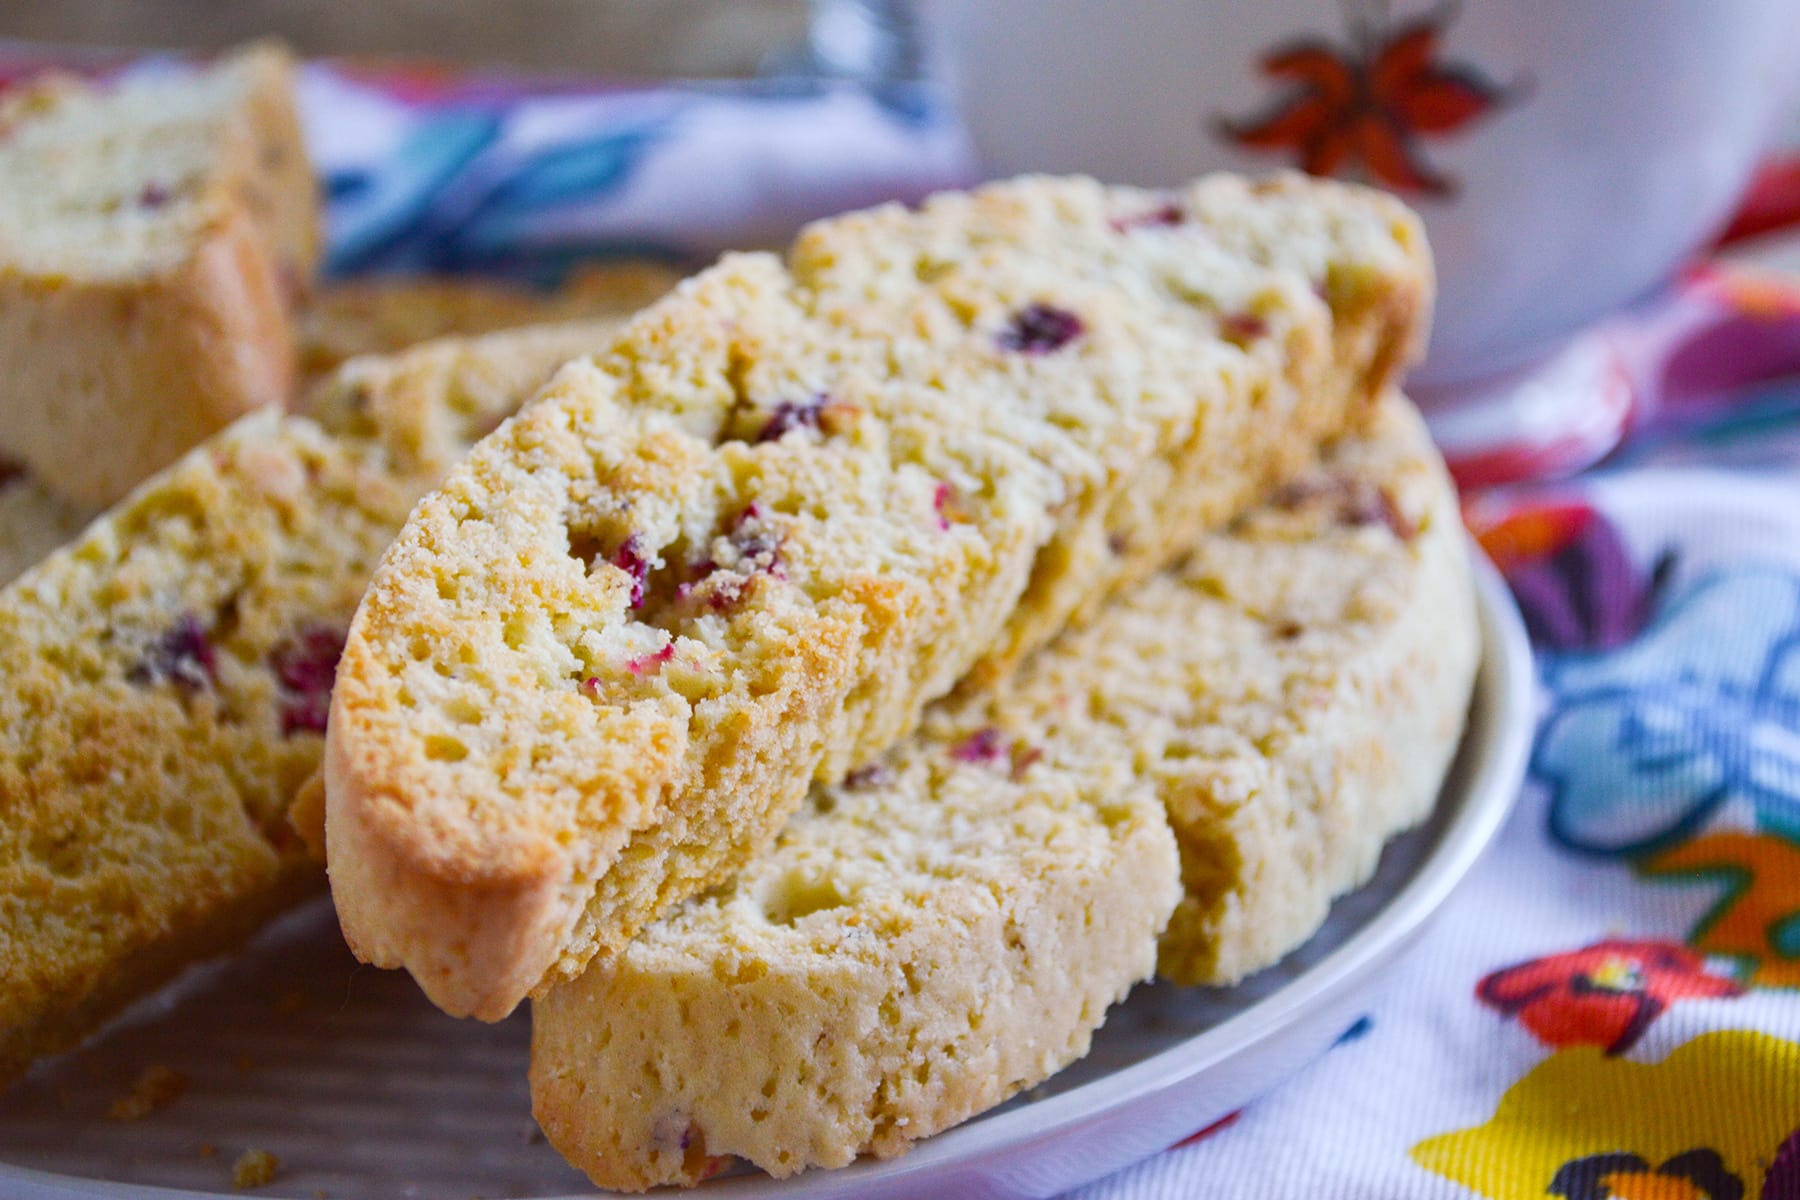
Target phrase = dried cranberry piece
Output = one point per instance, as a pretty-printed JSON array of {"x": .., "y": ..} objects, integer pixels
[
  {"x": 941, "y": 501},
  {"x": 1024, "y": 757},
  {"x": 873, "y": 774},
  {"x": 183, "y": 656},
  {"x": 1241, "y": 327},
  {"x": 758, "y": 552},
  {"x": 1040, "y": 329},
  {"x": 985, "y": 745},
  {"x": 1354, "y": 502},
  {"x": 154, "y": 195},
  {"x": 1162, "y": 216},
  {"x": 648, "y": 663},
  {"x": 789, "y": 416},
  {"x": 305, "y": 665},
  {"x": 629, "y": 558}
]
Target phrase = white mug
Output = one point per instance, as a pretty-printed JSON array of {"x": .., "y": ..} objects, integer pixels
[{"x": 1566, "y": 154}]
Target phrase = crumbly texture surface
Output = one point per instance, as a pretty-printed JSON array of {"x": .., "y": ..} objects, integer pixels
[
  {"x": 165, "y": 679},
  {"x": 948, "y": 926},
  {"x": 254, "y": 1168},
  {"x": 385, "y": 314},
  {"x": 153, "y": 240},
  {"x": 741, "y": 548}
]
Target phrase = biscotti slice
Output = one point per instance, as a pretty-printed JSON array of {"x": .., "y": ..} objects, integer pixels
[
  {"x": 1295, "y": 691},
  {"x": 741, "y": 548},
  {"x": 153, "y": 238},
  {"x": 164, "y": 680},
  {"x": 948, "y": 926},
  {"x": 384, "y": 314}
]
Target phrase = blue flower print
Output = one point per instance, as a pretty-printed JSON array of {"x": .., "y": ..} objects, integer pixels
[{"x": 1648, "y": 743}]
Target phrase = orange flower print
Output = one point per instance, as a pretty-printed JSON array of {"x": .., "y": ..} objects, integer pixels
[{"x": 1363, "y": 108}]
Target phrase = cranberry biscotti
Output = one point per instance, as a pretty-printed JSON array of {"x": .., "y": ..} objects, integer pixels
[
  {"x": 154, "y": 237},
  {"x": 164, "y": 679},
  {"x": 741, "y": 548},
  {"x": 948, "y": 926}
]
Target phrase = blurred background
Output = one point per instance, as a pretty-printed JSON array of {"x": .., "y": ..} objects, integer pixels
[{"x": 640, "y": 38}]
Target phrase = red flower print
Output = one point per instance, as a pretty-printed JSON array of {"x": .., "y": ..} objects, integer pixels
[
  {"x": 1363, "y": 108},
  {"x": 1604, "y": 995}
]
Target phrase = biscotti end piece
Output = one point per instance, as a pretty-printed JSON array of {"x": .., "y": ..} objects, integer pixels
[
  {"x": 740, "y": 549},
  {"x": 154, "y": 238},
  {"x": 915, "y": 947},
  {"x": 1332, "y": 662}
]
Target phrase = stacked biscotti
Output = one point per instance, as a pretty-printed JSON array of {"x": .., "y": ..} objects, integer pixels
[
  {"x": 831, "y": 692},
  {"x": 739, "y": 550},
  {"x": 154, "y": 238},
  {"x": 948, "y": 925},
  {"x": 165, "y": 678}
]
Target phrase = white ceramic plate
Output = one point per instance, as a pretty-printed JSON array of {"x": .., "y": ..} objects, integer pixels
[{"x": 361, "y": 1089}]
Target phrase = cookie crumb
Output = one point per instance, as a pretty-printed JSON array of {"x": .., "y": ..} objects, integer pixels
[
  {"x": 157, "y": 1087},
  {"x": 254, "y": 1169}
]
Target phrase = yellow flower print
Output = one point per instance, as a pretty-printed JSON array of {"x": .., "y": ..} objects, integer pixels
[{"x": 1708, "y": 1122}]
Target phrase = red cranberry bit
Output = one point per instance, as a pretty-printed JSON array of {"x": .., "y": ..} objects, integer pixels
[
  {"x": 590, "y": 687},
  {"x": 869, "y": 775},
  {"x": 758, "y": 549},
  {"x": 629, "y": 558},
  {"x": 985, "y": 745},
  {"x": 1040, "y": 329},
  {"x": 1354, "y": 502},
  {"x": 1242, "y": 327},
  {"x": 1118, "y": 543},
  {"x": 1287, "y": 631},
  {"x": 948, "y": 508},
  {"x": 1023, "y": 758},
  {"x": 1161, "y": 217},
  {"x": 758, "y": 552},
  {"x": 1387, "y": 511},
  {"x": 789, "y": 416},
  {"x": 183, "y": 656},
  {"x": 154, "y": 196},
  {"x": 305, "y": 666},
  {"x": 647, "y": 664}
]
